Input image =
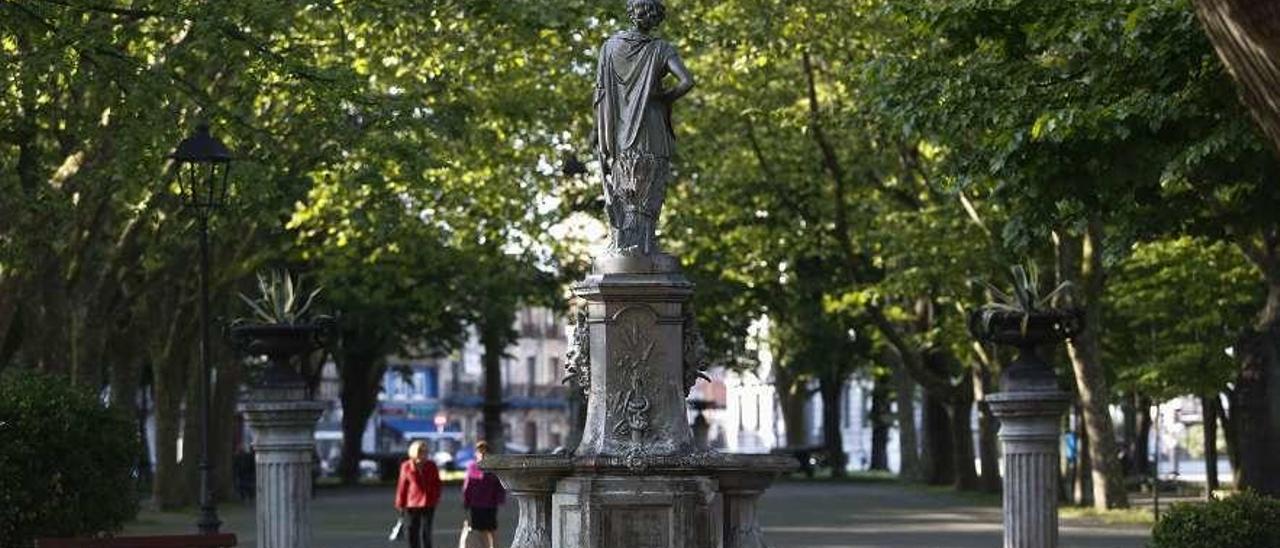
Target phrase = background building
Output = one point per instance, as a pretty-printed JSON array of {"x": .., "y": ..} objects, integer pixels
[{"x": 439, "y": 399}]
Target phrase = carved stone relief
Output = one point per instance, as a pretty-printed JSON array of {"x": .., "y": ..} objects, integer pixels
[
  {"x": 631, "y": 405},
  {"x": 577, "y": 363},
  {"x": 695, "y": 351}
]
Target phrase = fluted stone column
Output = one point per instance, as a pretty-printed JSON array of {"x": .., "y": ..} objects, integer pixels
[
  {"x": 1030, "y": 429},
  {"x": 283, "y": 443}
]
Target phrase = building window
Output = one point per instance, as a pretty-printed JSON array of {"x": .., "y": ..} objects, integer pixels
[
  {"x": 419, "y": 388},
  {"x": 556, "y": 372},
  {"x": 531, "y": 368}
]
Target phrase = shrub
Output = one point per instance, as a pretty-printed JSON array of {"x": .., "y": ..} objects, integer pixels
[
  {"x": 66, "y": 460},
  {"x": 1246, "y": 520}
]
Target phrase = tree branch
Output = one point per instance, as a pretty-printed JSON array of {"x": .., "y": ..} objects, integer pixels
[
  {"x": 911, "y": 358},
  {"x": 113, "y": 10}
]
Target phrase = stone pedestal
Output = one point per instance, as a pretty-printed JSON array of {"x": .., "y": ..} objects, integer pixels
[
  {"x": 636, "y": 511},
  {"x": 283, "y": 428},
  {"x": 741, "y": 489},
  {"x": 1030, "y": 430},
  {"x": 635, "y": 401},
  {"x": 637, "y": 479}
]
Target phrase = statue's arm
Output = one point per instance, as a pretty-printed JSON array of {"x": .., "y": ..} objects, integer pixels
[{"x": 684, "y": 80}]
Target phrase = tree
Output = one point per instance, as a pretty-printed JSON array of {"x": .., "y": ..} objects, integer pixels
[
  {"x": 1245, "y": 36},
  {"x": 1179, "y": 305},
  {"x": 308, "y": 96},
  {"x": 1077, "y": 113}
]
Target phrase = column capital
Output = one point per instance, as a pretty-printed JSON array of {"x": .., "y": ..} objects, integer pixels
[{"x": 1032, "y": 403}]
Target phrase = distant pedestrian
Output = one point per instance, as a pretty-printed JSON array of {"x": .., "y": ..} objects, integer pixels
[
  {"x": 417, "y": 492},
  {"x": 482, "y": 494}
]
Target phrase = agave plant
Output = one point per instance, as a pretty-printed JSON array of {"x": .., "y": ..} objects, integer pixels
[
  {"x": 281, "y": 300},
  {"x": 1023, "y": 302}
]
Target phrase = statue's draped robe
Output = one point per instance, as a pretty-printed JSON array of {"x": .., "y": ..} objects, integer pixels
[{"x": 634, "y": 137}]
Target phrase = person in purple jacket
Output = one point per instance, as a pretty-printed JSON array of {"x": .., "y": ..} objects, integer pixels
[{"x": 482, "y": 494}]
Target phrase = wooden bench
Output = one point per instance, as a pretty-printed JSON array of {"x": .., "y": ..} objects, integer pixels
[{"x": 225, "y": 540}]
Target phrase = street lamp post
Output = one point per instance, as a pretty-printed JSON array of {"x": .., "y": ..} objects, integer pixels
[{"x": 203, "y": 165}]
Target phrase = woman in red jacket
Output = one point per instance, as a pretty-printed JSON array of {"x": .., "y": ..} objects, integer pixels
[{"x": 417, "y": 493}]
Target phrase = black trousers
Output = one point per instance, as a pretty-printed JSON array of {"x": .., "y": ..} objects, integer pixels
[{"x": 420, "y": 526}]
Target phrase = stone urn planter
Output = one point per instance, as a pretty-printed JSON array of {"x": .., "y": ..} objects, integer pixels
[
  {"x": 280, "y": 343},
  {"x": 1026, "y": 331}
]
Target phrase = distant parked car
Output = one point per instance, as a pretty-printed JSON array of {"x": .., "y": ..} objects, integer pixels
[
  {"x": 443, "y": 459},
  {"x": 368, "y": 469}
]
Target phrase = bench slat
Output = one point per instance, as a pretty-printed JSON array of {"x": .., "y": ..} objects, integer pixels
[{"x": 225, "y": 540}]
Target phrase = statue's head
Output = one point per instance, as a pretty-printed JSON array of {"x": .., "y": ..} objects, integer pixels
[{"x": 646, "y": 15}]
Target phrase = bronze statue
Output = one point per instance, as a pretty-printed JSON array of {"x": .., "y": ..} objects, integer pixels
[{"x": 635, "y": 140}]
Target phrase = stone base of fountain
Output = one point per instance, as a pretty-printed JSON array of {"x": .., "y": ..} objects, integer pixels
[
  {"x": 704, "y": 500},
  {"x": 637, "y": 479}
]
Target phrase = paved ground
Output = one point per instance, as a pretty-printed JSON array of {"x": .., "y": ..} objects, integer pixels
[{"x": 794, "y": 515}]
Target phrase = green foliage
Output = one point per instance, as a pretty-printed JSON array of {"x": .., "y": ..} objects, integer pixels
[
  {"x": 1174, "y": 307},
  {"x": 281, "y": 300},
  {"x": 1245, "y": 520},
  {"x": 66, "y": 462},
  {"x": 1025, "y": 298}
]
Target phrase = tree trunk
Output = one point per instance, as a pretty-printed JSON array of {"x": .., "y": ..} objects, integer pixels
[
  {"x": 881, "y": 422},
  {"x": 1141, "y": 449},
  {"x": 988, "y": 434},
  {"x": 1129, "y": 432},
  {"x": 495, "y": 347},
  {"x": 939, "y": 455},
  {"x": 966, "y": 478},
  {"x": 225, "y": 392},
  {"x": 905, "y": 396},
  {"x": 1082, "y": 261},
  {"x": 1210, "y": 416},
  {"x": 791, "y": 402},
  {"x": 361, "y": 373},
  {"x": 1230, "y": 429},
  {"x": 123, "y": 376},
  {"x": 170, "y": 365},
  {"x": 1246, "y": 36},
  {"x": 9, "y": 310},
  {"x": 832, "y": 439},
  {"x": 1256, "y": 435},
  {"x": 191, "y": 421}
]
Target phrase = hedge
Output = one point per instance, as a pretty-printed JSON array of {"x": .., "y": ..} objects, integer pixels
[
  {"x": 1246, "y": 520},
  {"x": 66, "y": 460}
]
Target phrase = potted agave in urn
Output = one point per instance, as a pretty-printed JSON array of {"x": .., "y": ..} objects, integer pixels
[
  {"x": 280, "y": 328},
  {"x": 1024, "y": 321}
]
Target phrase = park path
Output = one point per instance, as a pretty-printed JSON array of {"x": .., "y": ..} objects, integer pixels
[
  {"x": 793, "y": 514},
  {"x": 892, "y": 515}
]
